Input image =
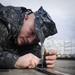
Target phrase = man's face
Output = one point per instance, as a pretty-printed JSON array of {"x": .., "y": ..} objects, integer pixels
[{"x": 27, "y": 34}]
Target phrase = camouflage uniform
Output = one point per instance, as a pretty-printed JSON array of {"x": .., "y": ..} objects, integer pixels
[{"x": 11, "y": 19}]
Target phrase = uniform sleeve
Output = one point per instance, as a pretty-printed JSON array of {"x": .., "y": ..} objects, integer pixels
[
  {"x": 37, "y": 50},
  {"x": 7, "y": 59}
]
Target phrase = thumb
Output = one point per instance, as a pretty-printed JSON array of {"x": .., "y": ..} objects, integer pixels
[{"x": 45, "y": 52}]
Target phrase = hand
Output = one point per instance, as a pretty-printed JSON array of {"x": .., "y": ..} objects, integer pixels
[
  {"x": 27, "y": 61},
  {"x": 50, "y": 57}
]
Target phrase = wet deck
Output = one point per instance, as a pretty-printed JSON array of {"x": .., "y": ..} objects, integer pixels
[
  {"x": 28, "y": 72},
  {"x": 62, "y": 67}
]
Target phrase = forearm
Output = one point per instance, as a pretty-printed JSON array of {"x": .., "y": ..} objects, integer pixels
[{"x": 7, "y": 60}]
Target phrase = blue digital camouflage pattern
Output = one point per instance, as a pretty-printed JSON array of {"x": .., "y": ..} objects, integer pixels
[{"x": 11, "y": 19}]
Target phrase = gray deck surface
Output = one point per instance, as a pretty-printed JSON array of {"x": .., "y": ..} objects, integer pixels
[{"x": 62, "y": 67}]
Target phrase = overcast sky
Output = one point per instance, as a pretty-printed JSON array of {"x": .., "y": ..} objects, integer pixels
[{"x": 61, "y": 11}]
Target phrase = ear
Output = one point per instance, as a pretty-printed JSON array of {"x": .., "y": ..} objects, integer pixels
[{"x": 26, "y": 18}]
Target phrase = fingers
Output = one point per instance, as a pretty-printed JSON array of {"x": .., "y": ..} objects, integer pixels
[
  {"x": 50, "y": 62},
  {"x": 50, "y": 66},
  {"x": 27, "y": 61},
  {"x": 50, "y": 57},
  {"x": 46, "y": 52},
  {"x": 34, "y": 62},
  {"x": 31, "y": 65},
  {"x": 53, "y": 52}
]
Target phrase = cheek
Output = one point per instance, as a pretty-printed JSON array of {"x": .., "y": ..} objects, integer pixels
[
  {"x": 32, "y": 38},
  {"x": 23, "y": 31}
]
